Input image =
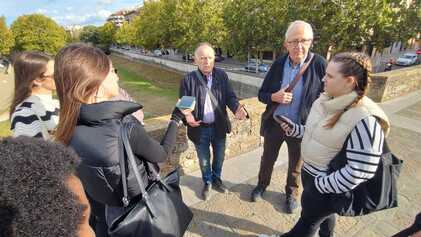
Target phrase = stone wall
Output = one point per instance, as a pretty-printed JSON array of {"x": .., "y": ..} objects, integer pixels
[
  {"x": 243, "y": 138},
  {"x": 392, "y": 84}
]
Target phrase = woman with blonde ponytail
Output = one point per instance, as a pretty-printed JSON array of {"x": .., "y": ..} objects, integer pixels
[{"x": 342, "y": 114}]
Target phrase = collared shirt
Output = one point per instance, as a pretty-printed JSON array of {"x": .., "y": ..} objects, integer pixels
[
  {"x": 208, "y": 113},
  {"x": 292, "y": 109}
]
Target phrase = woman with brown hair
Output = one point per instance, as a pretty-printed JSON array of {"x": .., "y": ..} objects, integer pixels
[
  {"x": 90, "y": 123},
  {"x": 343, "y": 116},
  {"x": 33, "y": 112}
]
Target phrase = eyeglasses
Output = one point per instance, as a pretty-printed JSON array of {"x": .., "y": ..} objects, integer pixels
[{"x": 302, "y": 41}]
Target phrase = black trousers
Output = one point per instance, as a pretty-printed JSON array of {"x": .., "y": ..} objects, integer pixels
[
  {"x": 97, "y": 219},
  {"x": 316, "y": 212},
  {"x": 274, "y": 138}
]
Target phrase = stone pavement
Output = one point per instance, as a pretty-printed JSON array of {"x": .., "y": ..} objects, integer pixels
[{"x": 232, "y": 214}]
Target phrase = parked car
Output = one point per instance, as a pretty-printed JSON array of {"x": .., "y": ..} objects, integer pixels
[
  {"x": 251, "y": 67},
  {"x": 418, "y": 52},
  {"x": 407, "y": 59},
  {"x": 188, "y": 57},
  {"x": 157, "y": 53}
]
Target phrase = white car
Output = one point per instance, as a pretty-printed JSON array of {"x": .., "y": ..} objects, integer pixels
[
  {"x": 157, "y": 53},
  {"x": 407, "y": 59}
]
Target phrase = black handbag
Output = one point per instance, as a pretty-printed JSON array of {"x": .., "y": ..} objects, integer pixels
[
  {"x": 378, "y": 193},
  {"x": 159, "y": 211}
]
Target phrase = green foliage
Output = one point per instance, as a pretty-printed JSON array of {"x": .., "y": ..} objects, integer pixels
[
  {"x": 106, "y": 33},
  {"x": 247, "y": 27},
  {"x": 38, "y": 32},
  {"x": 89, "y": 34},
  {"x": 6, "y": 38},
  {"x": 255, "y": 25},
  {"x": 126, "y": 34},
  {"x": 148, "y": 25}
]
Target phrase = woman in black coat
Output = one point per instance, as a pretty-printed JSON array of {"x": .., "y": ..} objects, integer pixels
[{"x": 90, "y": 123}]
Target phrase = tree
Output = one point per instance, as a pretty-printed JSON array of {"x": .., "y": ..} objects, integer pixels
[
  {"x": 149, "y": 30},
  {"x": 89, "y": 34},
  {"x": 106, "y": 33},
  {"x": 254, "y": 25},
  {"x": 344, "y": 25},
  {"x": 126, "y": 34},
  {"x": 6, "y": 38},
  {"x": 38, "y": 32}
]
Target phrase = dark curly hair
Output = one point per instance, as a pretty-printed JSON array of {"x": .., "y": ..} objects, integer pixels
[{"x": 34, "y": 198}]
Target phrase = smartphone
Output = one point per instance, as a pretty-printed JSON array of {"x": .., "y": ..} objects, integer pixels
[
  {"x": 280, "y": 119},
  {"x": 186, "y": 102}
]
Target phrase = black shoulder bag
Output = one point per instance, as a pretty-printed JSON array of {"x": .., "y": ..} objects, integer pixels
[
  {"x": 159, "y": 211},
  {"x": 378, "y": 193},
  {"x": 269, "y": 113}
]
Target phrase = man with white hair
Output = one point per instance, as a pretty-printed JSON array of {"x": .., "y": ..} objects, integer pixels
[
  {"x": 290, "y": 87},
  {"x": 209, "y": 123}
]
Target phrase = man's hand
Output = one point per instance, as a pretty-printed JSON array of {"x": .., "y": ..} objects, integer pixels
[
  {"x": 281, "y": 96},
  {"x": 241, "y": 113},
  {"x": 192, "y": 121}
]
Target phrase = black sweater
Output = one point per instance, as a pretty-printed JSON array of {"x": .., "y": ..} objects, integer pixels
[{"x": 96, "y": 139}]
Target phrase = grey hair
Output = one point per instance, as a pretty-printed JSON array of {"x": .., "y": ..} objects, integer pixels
[
  {"x": 201, "y": 45},
  {"x": 293, "y": 24}
]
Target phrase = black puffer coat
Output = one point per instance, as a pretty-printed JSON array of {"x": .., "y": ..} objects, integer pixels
[{"x": 96, "y": 139}]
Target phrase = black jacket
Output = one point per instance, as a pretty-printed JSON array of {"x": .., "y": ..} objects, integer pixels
[
  {"x": 96, "y": 140},
  {"x": 312, "y": 84},
  {"x": 222, "y": 90}
]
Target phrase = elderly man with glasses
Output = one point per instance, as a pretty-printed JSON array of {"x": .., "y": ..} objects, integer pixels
[{"x": 294, "y": 103}]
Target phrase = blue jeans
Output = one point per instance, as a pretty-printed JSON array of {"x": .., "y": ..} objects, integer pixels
[{"x": 213, "y": 171}]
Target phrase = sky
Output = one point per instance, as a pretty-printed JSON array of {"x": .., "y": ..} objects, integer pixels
[{"x": 66, "y": 12}]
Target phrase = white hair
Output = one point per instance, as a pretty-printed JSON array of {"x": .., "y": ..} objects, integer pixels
[
  {"x": 294, "y": 24},
  {"x": 201, "y": 45}
]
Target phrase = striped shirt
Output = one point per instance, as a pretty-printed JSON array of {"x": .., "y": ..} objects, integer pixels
[
  {"x": 25, "y": 119},
  {"x": 363, "y": 151}
]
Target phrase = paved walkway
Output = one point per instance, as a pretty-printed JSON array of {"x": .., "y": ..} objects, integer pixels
[{"x": 232, "y": 214}]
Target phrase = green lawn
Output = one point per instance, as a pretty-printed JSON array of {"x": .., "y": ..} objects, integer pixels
[
  {"x": 154, "y": 87},
  {"x": 5, "y": 129}
]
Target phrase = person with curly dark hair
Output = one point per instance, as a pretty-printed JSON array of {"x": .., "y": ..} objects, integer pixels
[{"x": 39, "y": 195}]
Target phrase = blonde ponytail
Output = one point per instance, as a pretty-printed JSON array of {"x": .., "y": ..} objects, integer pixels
[{"x": 359, "y": 66}]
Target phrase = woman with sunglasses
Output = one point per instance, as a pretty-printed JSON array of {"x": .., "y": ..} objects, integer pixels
[{"x": 33, "y": 112}]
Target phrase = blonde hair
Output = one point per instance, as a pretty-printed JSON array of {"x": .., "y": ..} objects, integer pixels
[{"x": 357, "y": 65}]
